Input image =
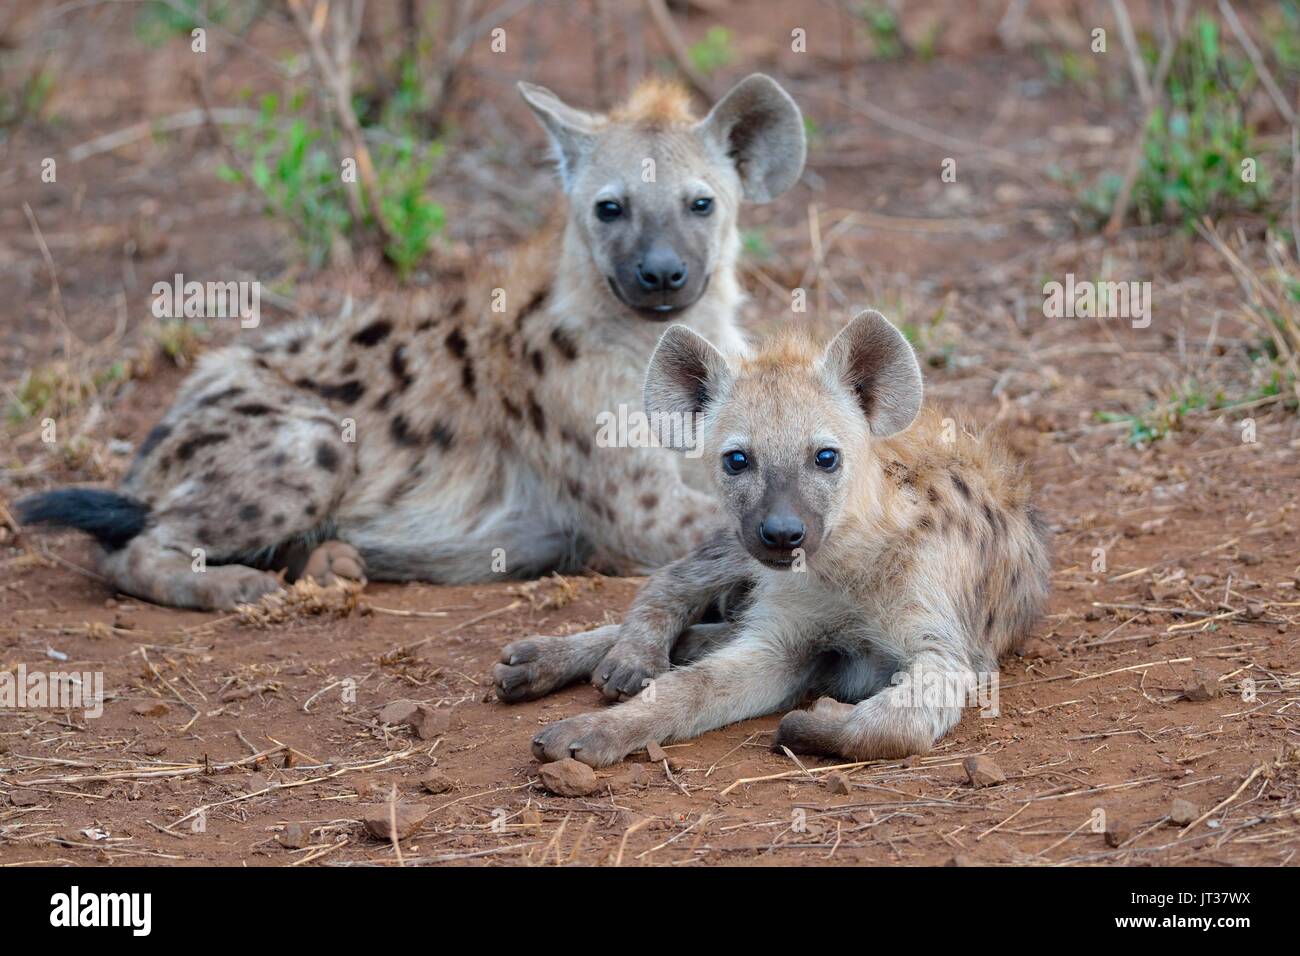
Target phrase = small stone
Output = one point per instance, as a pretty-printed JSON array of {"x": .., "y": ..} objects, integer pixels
[
  {"x": 153, "y": 748},
  {"x": 958, "y": 860},
  {"x": 569, "y": 778},
  {"x": 1117, "y": 831},
  {"x": 1182, "y": 812},
  {"x": 151, "y": 708},
  {"x": 655, "y": 752},
  {"x": 432, "y": 722},
  {"x": 256, "y": 782},
  {"x": 24, "y": 798},
  {"x": 294, "y": 836},
  {"x": 838, "y": 783},
  {"x": 532, "y": 817},
  {"x": 1249, "y": 557},
  {"x": 379, "y": 819},
  {"x": 435, "y": 781},
  {"x": 1201, "y": 687},
  {"x": 983, "y": 772},
  {"x": 399, "y": 713}
]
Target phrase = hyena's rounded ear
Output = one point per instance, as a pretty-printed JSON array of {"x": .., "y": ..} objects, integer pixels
[
  {"x": 570, "y": 130},
  {"x": 686, "y": 373},
  {"x": 760, "y": 128},
  {"x": 878, "y": 365}
]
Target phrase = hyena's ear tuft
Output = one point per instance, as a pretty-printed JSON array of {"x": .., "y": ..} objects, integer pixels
[
  {"x": 876, "y": 363},
  {"x": 570, "y": 130},
  {"x": 686, "y": 373},
  {"x": 759, "y": 127}
]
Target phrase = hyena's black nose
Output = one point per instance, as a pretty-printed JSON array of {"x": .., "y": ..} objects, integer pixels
[
  {"x": 781, "y": 531},
  {"x": 662, "y": 270}
]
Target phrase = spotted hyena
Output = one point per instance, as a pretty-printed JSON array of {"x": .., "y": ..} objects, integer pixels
[
  {"x": 892, "y": 559},
  {"x": 456, "y": 441}
]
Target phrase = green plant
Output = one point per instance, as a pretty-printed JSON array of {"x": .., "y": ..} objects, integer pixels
[
  {"x": 295, "y": 166},
  {"x": 713, "y": 52},
  {"x": 157, "y": 21},
  {"x": 28, "y": 99},
  {"x": 1195, "y": 144},
  {"x": 885, "y": 31},
  {"x": 1162, "y": 417}
]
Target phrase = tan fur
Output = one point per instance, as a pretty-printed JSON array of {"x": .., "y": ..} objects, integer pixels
[
  {"x": 929, "y": 563},
  {"x": 656, "y": 102}
]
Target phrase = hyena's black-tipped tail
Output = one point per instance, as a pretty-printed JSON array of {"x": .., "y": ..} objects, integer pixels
[{"x": 112, "y": 519}]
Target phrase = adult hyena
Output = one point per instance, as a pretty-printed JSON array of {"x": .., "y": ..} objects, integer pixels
[{"x": 455, "y": 443}]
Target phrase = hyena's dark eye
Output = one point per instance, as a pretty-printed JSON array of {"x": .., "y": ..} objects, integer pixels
[
  {"x": 702, "y": 207},
  {"x": 734, "y": 462},
  {"x": 827, "y": 459},
  {"x": 607, "y": 210}
]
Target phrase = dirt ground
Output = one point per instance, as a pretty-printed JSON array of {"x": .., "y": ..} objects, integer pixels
[{"x": 1166, "y": 670}]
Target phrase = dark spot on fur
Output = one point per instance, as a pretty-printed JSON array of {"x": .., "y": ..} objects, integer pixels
[
  {"x": 441, "y": 435},
  {"x": 401, "y": 432},
  {"x": 397, "y": 365},
  {"x": 156, "y": 436},
  {"x": 349, "y": 367},
  {"x": 385, "y": 400},
  {"x": 539, "y": 362},
  {"x": 210, "y": 400},
  {"x": 988, "y": 623},
  {"x": 347, "y": 392},
  {"x": 467, "y": 378},
  {"x": 536, "y": 415},
  {"x": 426, "y": 324},
  {"x": 564, "y": 344},
  {"x": 686, "y": 521},
  {"x": 960, "y": 484},
  {"x": 294, "y": 347},
  {"x": 531, "y": 306},
  {"x": 254, "y": 409},
  {"x": 327, "y": 457},
  {"x": 374, "y": 333},
  {"x": 649, "y": 500},
  {"x": 512, "y": 410},
  {"x": 925, "y": 523},
  {"x": 456, "y": 343},
  {"x": 310, "y": 510},
  {"x": 188, "y": 447},
  {"x": 278, "y": 521},
  {"x": 250, "y": 512}
]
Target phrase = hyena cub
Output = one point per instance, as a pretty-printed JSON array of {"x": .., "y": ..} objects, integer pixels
[{"x": 890, "y": 566}]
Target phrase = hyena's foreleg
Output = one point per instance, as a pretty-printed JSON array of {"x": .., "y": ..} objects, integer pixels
[
  {"x": 750, "y": 676},
  {"x": 674, "y": 598},
  {"x": 535, "y": 666}
]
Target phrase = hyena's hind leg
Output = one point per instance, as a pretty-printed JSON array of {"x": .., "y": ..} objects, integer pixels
[
  {"x": 243, "y": 471},
  {"x": 908, "y": 716}
]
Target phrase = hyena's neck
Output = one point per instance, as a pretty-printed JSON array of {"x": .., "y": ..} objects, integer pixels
[{"x": 583, "y": 300}]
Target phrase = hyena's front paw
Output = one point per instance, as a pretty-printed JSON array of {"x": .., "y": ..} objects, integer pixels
[
  {"x": 333, "y": 562},
  {"x": 591, "y": 738},
  {"x": 531, "y": 668},
  {"x": 627, "y": 669},
  {"x": 818, "y": 731}
]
